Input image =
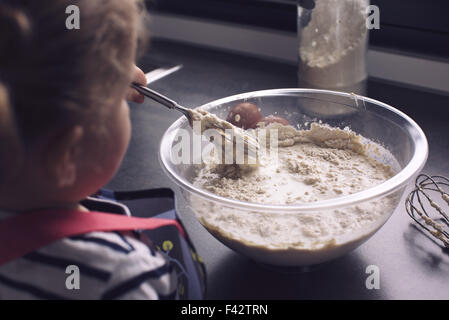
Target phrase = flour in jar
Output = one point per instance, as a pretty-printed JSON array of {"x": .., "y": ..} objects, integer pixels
[
  {"x": 333, "y": 45},
  {"x": 310, "y": 166}
]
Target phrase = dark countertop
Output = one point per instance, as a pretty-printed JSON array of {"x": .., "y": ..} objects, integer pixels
[{"x": 410, "y": 265}]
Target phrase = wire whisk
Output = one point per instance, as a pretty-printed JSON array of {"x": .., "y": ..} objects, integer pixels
[{"x": 422, "y": 208}]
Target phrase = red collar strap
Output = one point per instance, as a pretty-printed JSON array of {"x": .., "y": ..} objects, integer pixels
[{"x": 28, "y": 232}]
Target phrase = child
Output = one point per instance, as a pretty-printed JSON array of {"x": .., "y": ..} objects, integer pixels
[{"x": 64, "y": 129}]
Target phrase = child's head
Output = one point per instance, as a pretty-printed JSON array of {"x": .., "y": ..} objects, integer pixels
[{"x": 64, "y": 123}]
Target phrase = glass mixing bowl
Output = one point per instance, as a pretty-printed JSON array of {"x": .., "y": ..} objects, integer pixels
[{"x": 392, "y": 138}]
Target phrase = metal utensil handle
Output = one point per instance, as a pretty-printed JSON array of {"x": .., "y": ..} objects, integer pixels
[{"x": 156, "y": 96}]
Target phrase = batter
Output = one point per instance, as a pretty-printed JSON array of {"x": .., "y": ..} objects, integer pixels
[{"x": 311, "y": 165}]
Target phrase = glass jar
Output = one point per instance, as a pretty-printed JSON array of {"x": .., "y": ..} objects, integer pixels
[{"x": 333, "y": 40}]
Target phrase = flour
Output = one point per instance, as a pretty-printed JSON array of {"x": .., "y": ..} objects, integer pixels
[
  {"x": 337, "y": 28},
  {"x": 231, "y": 140},
  {"x": 209, "y": 120},
  {"x": 310, "y": 166},
  {"x": 333, "y": 45}
]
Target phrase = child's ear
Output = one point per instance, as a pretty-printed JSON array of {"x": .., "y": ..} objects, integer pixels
[{"x": 61, "y": 158}]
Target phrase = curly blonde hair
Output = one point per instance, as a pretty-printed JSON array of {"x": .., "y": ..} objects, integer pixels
[{"x": 51, "y": 76}]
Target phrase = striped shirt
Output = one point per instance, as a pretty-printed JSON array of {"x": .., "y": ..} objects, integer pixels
[{"x": 111, "y": 266}]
